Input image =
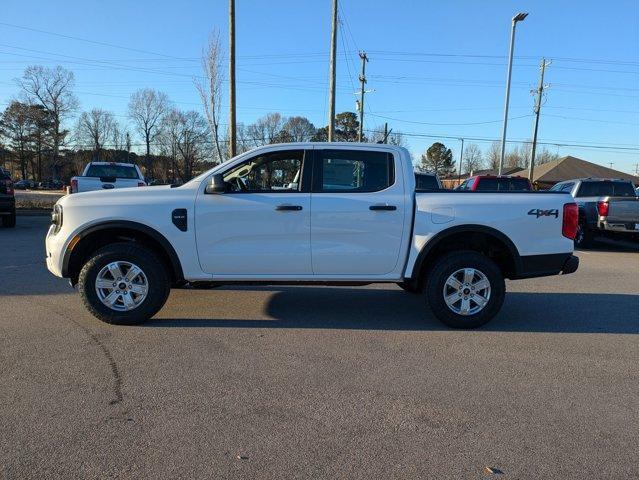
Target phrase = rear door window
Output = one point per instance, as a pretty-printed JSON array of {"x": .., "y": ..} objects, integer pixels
[{"x": 353, "y": 171}]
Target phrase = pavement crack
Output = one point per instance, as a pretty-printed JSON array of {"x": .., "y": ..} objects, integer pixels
[
  {"x": 117, "y": 378},
  {"x": 115, "y": 371}
]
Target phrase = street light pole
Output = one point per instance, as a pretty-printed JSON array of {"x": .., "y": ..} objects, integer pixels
[{"x": 517, "y": 18}]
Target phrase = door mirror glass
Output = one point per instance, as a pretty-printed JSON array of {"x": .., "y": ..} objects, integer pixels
[{"x": 217, "y": 185}]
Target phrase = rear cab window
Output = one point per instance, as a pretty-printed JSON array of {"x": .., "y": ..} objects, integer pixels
[
  {"x": 426, "y": 182},
  {"x": 117, "y": 171},
  {"x": 606, "y": 189}
]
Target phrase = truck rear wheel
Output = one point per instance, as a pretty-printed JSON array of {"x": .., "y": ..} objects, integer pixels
[
  {"x": 123, "y": 284},
  {"x": 465, "y": 289},
  {"x": 9, "y": 221},
  {"x": 584, "y": 236}
]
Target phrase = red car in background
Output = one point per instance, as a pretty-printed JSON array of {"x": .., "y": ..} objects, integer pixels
[{"x": 496, "y": 183}]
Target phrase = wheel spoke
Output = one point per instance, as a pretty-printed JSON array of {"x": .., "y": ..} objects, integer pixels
[
  {"x": 138, "y": 289},
  {"x": 454, "y": 283},
  {"x": 111, "y": 298},
  {"x": 132, "y": 273},
  {"x": 481, "y": 284},
  {"x": 114, "y": 268},
  {"x": 104, "y": 283},
  {"x": 465, "y": 306},
  {"x": 479, "y": 300},
  {"x": 469, "y": 274},
  {"x": 452, "y": 299},
  {"x": 128, "y": 301}
]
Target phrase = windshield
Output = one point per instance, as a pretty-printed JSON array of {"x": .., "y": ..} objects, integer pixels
[
  {"x": 117, "y": 171},
  {"x": 606, "y": 189},
  {"x": 426, "y": 182}
]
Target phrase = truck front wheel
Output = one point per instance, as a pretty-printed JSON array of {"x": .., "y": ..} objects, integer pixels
[
  {"x": 123, "y": 284},
  {"x": 465, "y": 289}
]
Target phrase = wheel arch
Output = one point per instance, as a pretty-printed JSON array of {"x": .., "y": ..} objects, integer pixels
[
  {"x": 96, "y": 236},
  {"x": 480, "y": 238}
]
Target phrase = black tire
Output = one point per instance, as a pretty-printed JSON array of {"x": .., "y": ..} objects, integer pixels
[
  {"x": 153, "y": 268},
  {"x": 410, "y": 287},
  {"x": 450, "y": 263},
  {"x": 584, "y": 236},
  {"x": 9, "y": 221}
]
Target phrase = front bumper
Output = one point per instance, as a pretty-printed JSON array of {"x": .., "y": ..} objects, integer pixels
[{"x": 54, "y": 246}]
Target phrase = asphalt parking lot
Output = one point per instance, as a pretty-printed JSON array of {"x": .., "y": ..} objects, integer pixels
[{"x": 283, "y": 382}]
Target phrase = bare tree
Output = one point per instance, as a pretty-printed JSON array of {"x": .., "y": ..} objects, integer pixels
[
  {"x": 192, "y": 143},
  {"x": 169, "y": 139},
  {"x": 146, "y": 109},
  {"x": 299, "y": 129},
  {"x": 210, "y": 90},
  {"x": 493, "y": 155},
  {"x": 473, "y": 159},
  {"x": 95, "y": 129},
  {"x": 266, "y": 129},
  {"x": 52, "y": 88}
]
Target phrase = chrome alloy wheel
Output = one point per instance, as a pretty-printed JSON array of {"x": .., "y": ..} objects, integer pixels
[
  {"x": 467, "y": 291},
  {"x": 121, "y": 286}
]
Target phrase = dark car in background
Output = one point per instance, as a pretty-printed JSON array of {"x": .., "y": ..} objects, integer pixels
[
  {"x": 24, "y": 185},
  {"x": 607, "y": 208},
  {"x": 495, "y": 183},
  {"x": 7, "y": 200}
]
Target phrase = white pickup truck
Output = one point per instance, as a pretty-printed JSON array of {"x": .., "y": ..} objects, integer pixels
[
  {"x": 107, "y": 176},
  {"x": 325, "y": 213}
]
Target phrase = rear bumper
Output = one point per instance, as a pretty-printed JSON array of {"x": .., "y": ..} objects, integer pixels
[
  {"x": 619, "y": 226},
  {"x": 532, "y": 266}
]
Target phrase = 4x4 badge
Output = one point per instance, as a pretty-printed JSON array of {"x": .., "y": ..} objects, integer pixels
[{"x": 544, "y": 213}]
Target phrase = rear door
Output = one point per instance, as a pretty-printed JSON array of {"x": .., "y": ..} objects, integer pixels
[{"x": 357, "y": 216}]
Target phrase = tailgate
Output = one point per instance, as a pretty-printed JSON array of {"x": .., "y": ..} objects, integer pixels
[
  {"x": 87, "y": 184},
  {"x": 623, "y": 210}
]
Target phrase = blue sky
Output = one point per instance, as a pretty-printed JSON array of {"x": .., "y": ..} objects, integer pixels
[{"x": 437, "y": 68}]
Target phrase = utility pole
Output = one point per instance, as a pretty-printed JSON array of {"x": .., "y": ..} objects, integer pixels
[
  {"x": 331, "y": 103},
  {"x": 611, "y": 164},
  {"x": 537, "y": 110},
  {"x": 385, "y": 132},
  {"x": 232, "y": 118},
  {"x": 461, "y": 156},
  {"x": 636, "y": 168},
  {"x": 362, "y": 80}
]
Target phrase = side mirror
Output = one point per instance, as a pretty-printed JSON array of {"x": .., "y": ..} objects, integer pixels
[{"x": 217, "y": 185}]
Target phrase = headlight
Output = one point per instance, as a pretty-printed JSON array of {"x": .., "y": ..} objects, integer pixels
[{"x": 56, "y": 217}]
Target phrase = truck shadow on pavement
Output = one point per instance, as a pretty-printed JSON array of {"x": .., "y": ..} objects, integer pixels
[{"x": 389, "y": 309}]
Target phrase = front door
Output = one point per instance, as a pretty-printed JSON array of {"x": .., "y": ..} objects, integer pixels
[
  {"x": 261, "y": 227},
  {"x": 357, "y": 216}
]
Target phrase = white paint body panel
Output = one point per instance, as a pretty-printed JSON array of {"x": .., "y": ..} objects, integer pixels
[{"x": 335, "y": 237}]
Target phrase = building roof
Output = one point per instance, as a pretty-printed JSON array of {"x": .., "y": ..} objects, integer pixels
[
  {"x": 490, "y": 172},
  {"x": 568, "y": 168}
]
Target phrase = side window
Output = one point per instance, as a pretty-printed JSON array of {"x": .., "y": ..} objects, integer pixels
[
  {"x": 353, "y": 171},
  {"x": 567, "y": 187},
  {"x": 557, "y": 187},
  {"x": 270, "y": 172}
]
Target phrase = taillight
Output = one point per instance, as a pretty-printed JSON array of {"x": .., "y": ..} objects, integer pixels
[
  {"x": 603, "y": 208},
  {"x": 74, "y": 185},
  {"x": 141, "y": 184},
  {"x": 571, "y": 220}
]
